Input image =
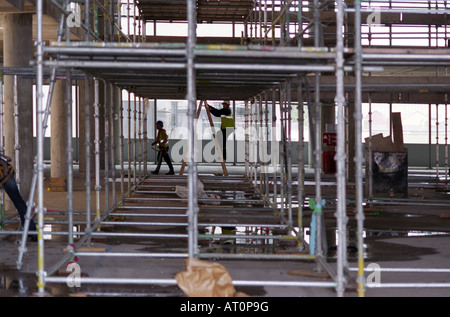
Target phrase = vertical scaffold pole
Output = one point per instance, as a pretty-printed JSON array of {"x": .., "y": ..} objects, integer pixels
[
  {"x": 112, "y": 129},
  {"x": 134, "y": 139},
  {"x": 246, "y": 142},
  {"x": 141, "y": 146},
  {"x": 87, "y": 132},
  {"x": 145, "y": 134},
  {"x": 359, "y": 158},
  {"x": 87, "y": 19},
  {"x": 282, "y": 152},
  {"x": 249, "y": 152},
  {"x": 340, "y": 156},
  {"x": 289, "y": 156},
  {"x": 277, "y": 154},
  {"x": 437, "y": 146},
  {"x": 2, "y": 151},
  {"x": 317, "y": 150},
  {"x": 97, "y": 148},
  {"x": 107, "y": 127},
  {"x": 254, "y": 138},
  {"x": 267, "y": 166},
  {"x": 261, "y": 140},
  {"x": 301, "y": 163},
  {"x": 69, "y": 156},
  {"x": 369, "y": 146},
  {"x": 40, "y": 144},
  {"x": 446, "y": 142},
  {"x": 16, "y": 134},
  {"x": 192, "y": 103},
  {"x": 69, "y": 159},
  {"x": 129, "y": 141},
  {"x": 31, "y": 196},
  {"x": 121, "y": 146}
]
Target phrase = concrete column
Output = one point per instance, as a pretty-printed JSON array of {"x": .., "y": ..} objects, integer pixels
[
  {"x": 17, "y": 52},
  {"x": 89, "y": 98},
  {"x": 59, "y": 122}
]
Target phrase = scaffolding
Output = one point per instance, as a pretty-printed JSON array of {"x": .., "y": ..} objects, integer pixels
[{"x": 279, "y": 64}]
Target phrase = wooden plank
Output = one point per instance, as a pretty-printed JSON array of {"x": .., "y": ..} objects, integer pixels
[
  {"x": 211, "y": 123},
  {"x": 219, "y": 150},
  {"x": 397, "y": 130}
]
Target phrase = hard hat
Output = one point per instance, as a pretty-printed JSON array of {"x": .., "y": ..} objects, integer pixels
[{"x": 226, "y": 102}]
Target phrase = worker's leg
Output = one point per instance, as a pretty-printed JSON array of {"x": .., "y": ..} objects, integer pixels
[
  {"x": 10, "y": 187},
  {"x": 168, "y": 161},
  {"x": 224, "y": 144},
  {"x": 159, "y": 161}
]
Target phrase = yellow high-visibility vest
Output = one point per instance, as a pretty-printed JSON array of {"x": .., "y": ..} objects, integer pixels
[
  {"x": 227, "y": 121},
  {"x": 161, "y": 135}
]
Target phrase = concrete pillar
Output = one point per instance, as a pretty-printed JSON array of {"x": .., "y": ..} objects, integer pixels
[
  {"x": 83, "y": 120},
  {"x": 59, "y": 122},
  {"x": 17, "y": 52}
]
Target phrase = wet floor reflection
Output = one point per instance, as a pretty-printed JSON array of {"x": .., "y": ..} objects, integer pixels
[
  {"x": 245, "y": 240},
  {"x": 18, "y": 286}
]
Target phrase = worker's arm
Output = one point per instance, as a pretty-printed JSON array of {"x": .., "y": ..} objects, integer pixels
[
  {"x": 217, "y": 113},
  {"x": 4, "y": 162},
  {"x": 156, "y": 139}
]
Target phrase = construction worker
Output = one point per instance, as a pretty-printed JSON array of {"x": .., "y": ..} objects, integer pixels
[
  {"x": 8, "y": 182},
  {"x": 162, "y": 146},
  {"x": 226, "y": 123}
]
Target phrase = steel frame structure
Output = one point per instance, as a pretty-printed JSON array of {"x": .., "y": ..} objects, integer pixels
[{"x": 272, "y": 76}]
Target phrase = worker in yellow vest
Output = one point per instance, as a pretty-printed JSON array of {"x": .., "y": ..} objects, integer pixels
[
  {"x": 162, "y": 143},
  {"x": 227, "y": 123}
]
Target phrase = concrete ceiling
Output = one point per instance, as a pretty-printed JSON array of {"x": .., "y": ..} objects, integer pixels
[{"x": 207, "y": 10}]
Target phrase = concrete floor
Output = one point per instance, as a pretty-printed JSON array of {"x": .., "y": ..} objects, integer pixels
[{"x": 396, "y": 236}]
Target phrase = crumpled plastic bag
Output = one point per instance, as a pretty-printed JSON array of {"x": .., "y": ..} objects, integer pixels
[
  {"x": 205, "y": 279},
  {"x": 183, "y": 192}
]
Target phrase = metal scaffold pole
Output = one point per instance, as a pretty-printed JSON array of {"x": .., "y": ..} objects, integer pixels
[
  {"x": 46, "y": 112},
  {"x": 97, "y": 147},
  {"x": 340, "y": 156},
  {"x": 301, "y": 163},
  {"x": 129, "y": 141},
  {"x": 69, "y": 156},
  {"x": 107, "y": 138},
  {"x": 88, "y": 150},
  {"x": 2, "y": 151},
  {"x": 192, "y": 103},
  {"x": 317, "y": 247},
  {"x": 359, "y": 158},
  {"x": 121, "y": 143},
  {"x": 40, "y": 145}
]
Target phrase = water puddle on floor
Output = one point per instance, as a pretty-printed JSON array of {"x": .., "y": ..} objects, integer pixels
[
  {"x": 244, "y": 242},
  {"x": 14, "y": 286}
]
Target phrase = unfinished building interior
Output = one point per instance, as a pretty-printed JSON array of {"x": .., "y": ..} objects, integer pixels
[{"x": 335, "y": 179}]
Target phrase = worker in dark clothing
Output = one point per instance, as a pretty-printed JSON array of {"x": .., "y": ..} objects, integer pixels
[
  {"x": 8, "y": 182},
  {"x": 226, "y": 123},
  {"x": 162, "y": 143}
]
